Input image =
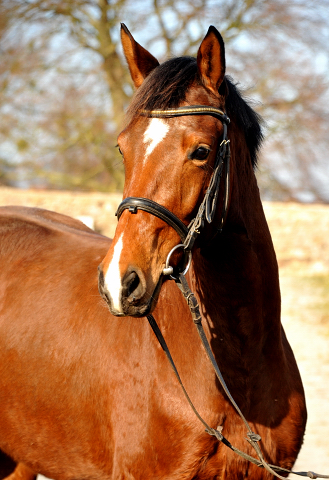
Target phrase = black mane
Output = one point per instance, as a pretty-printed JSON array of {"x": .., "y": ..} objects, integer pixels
[{"x": 166, "y": 87}]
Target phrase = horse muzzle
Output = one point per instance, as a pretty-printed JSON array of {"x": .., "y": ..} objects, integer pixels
[{"x": 132, "y": 297}]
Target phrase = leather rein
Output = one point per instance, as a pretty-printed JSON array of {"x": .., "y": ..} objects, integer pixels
[{"x": 188, "y": 235}]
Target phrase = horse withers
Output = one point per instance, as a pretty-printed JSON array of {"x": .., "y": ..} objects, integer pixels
[{"x": 87, "y": 394}]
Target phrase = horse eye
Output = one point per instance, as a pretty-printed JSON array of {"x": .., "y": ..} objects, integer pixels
[
  {"x": 120, "y": 151},
  {"x": 200, "y": 153}
]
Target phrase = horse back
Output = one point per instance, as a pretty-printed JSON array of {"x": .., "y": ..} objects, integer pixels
[
  {"x": 48, "y": 335},
  {"x": 46, "y": 258},
  {"x": 32, "y": 233}
]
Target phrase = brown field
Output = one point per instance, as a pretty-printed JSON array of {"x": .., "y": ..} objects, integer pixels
[{"x": 301, "y": 238}]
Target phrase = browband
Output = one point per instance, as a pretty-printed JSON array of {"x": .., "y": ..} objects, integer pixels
[{"x": 187, "y": 110}]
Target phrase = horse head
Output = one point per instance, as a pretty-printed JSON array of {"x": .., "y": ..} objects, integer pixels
[{"x": 169, "y": 159}]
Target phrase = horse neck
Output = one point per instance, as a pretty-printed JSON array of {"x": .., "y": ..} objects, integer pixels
[{"x": 236, "y": 274}]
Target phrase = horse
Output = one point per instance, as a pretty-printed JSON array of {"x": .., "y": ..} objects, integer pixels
[{"x": 86, "y": 388}]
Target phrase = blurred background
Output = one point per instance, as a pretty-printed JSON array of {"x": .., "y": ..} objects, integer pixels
[{"x": 64, "y": 87}]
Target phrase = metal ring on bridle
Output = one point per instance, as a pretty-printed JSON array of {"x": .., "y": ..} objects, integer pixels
[{"x": 168, "y": 270}]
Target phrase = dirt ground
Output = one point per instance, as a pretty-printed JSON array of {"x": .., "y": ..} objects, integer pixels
[{"x": 301, "y": 238}]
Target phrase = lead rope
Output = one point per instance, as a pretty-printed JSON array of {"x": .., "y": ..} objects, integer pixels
[{"x": 253, "y": 438}]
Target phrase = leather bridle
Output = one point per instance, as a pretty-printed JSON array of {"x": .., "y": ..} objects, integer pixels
[
  {"x": 188, "y": 236},
  {"x": 207, "y": 209}
]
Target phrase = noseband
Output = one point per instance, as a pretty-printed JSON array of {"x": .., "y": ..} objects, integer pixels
[{"x": 207, "y": 208}]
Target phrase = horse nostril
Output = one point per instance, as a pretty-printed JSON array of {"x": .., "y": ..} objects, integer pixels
[
  {"x": 132, "y": 288},
  {"x": 100, "y": 279},
  {"x": 101, "y": 285},
  {"x": 133, "y": 283}
]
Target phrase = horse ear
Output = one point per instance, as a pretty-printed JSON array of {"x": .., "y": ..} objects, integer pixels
[
  {"x": 140, "y": 61},
  {"x": 211, "y": 60}
]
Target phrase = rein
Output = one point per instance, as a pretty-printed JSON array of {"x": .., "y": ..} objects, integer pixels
[
  {"x": 188, "y": 236},
  {"x": 253, "y": 438}
]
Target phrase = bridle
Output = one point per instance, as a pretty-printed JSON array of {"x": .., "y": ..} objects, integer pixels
[
  {"x": 207, "y": 209},
  {"x": 188, "y": 235}
]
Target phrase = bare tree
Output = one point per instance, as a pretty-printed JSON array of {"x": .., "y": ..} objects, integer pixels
[{"x": 64, "y": 84}]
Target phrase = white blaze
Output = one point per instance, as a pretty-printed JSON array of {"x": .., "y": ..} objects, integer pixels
[
  {"x": 154, "y": 134},
  {"x": 112, "y": 278}
]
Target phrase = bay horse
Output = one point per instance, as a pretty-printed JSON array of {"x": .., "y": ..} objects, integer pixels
[{"x": 86, "y": 389}]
